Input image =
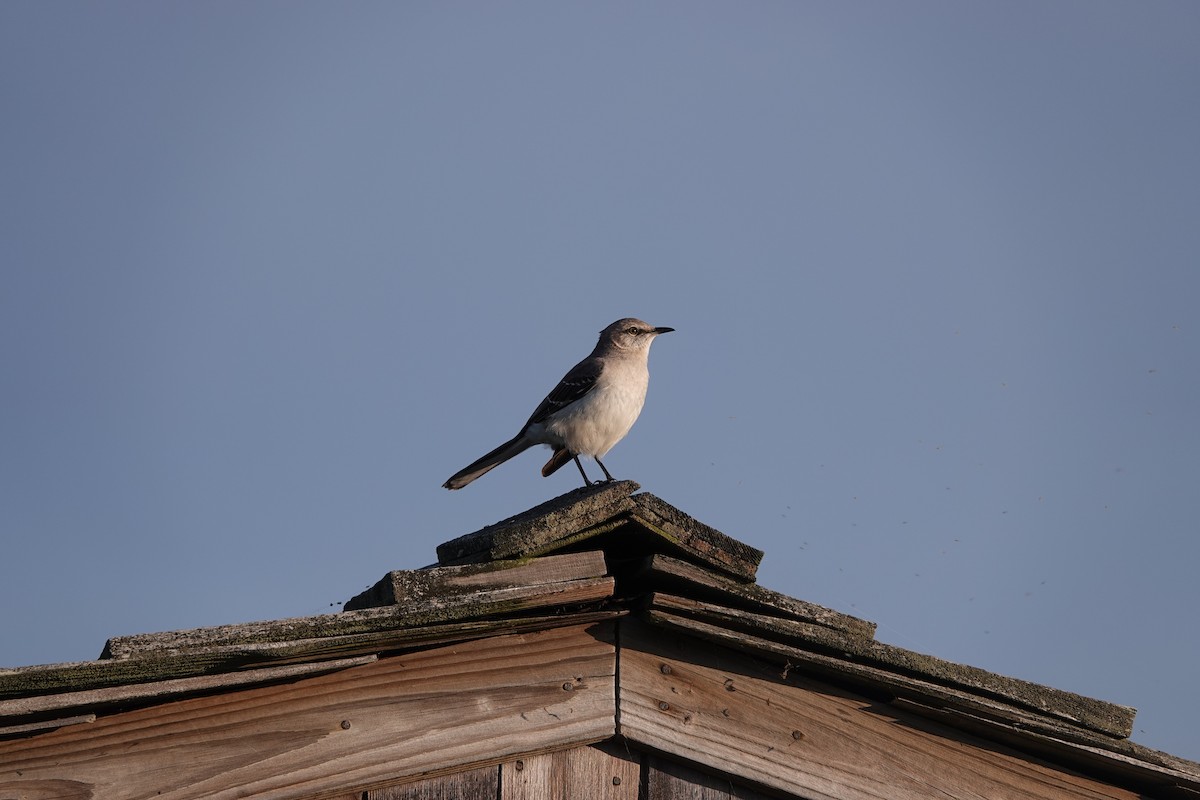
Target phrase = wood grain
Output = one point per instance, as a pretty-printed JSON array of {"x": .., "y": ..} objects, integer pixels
[
  {"x": 844, "y": 655},
  {"x": 738, "y": 716},
  {"x": 668, "y": 780},
  {"x": 423, "y": 586},
  {"x": 408, "y": 616},
  {"x": 156, "y": 690},
  {"x": 606, "y": 772},
  {"x": 663, "y": 573},
  {"x": 443, "y": 709},
  {"x": 474, "y": 784},
  {"x": 262, "y": 644}
]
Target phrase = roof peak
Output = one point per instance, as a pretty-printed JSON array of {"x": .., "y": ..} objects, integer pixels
[
  {"x": 594, "y": 517},
  {"x": 592, "y": 556}
]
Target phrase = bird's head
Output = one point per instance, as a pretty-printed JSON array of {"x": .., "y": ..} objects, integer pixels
[{"x": 631, "y": 334}]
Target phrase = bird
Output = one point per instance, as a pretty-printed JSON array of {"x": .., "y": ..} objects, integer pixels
[{"x": 590, "y": 410}]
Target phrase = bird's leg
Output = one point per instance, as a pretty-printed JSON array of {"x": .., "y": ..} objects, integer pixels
[
  {"x": 601, "y": 463},
  {"x": 586, "y": 482}
]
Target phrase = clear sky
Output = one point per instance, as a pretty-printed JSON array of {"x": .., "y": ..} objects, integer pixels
[{"x": 272, "y": 271}]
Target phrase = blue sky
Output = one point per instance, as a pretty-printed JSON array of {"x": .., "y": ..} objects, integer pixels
[{"x": 273, "y": 271}]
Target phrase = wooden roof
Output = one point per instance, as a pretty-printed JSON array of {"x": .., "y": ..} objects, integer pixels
[{"x": 603, "y": 615}]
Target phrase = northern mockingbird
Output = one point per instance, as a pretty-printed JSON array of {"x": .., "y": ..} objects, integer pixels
[{"x": 591, "y": 409}]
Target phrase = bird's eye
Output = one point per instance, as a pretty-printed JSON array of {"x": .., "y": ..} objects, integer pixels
[{"x": 633, "y": 331}]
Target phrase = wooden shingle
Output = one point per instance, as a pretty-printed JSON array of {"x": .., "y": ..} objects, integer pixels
[{"x": 611, "y": 517}]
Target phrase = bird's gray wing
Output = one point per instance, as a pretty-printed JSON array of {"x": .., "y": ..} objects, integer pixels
[{"x": 574, "y": 385}]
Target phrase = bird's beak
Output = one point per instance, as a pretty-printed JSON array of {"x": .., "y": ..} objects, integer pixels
[{"x": 663, "y": 330}]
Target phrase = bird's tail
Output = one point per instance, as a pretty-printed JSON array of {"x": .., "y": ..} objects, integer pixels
[
  {"x": 561, "y": 456},
  {"x": 514, "y": 446}
]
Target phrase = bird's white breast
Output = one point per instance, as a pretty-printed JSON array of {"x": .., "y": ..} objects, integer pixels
[{"x": 597, "y": 421}]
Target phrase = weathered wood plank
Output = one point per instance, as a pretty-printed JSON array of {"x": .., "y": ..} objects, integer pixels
[
  {"x": 1122, "y": 762},
  {"x": 161, "y": 690},
  {"x": 537, "y": 530},
  {"x": 698, "y": 540},
  {"x": 663, "y": 573},
  {"x": 504, "y": 601},
  {"x": 46, "y": 724},
  {"x": 432, "y": 585},
  {"x": 437, "y": 710},
  {"x": 388, "y": 635},
  {"x": 668, "y": 780},
  {"x": 738, "y": 716},
  {"x": 592, "y": 515},
  {"x": 474, "y": 784},
  {"x": 599, "y": 772},
  {"x": 901, "y": 664}
]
